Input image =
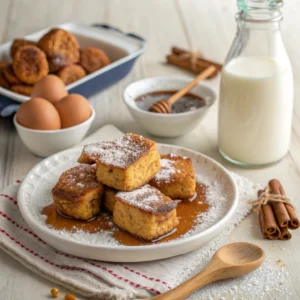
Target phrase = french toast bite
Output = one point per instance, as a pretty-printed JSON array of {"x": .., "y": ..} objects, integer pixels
[
  {"x": 176, "y": 178},
  {"x": 126, "y": 163},
  {"x": 145, "y": 213},
  {"x": 78, "y": 193}
]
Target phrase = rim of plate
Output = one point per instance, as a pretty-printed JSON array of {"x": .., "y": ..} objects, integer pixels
[{"x": 32, "y": 223}]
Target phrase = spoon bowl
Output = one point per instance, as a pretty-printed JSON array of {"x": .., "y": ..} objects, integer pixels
[
  {"x": 240, "y": 254},
  {"x": 230, "y": 261},
  {"x": 239, "y": 259}
]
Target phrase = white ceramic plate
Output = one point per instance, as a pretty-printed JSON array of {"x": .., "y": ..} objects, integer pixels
[{"x": 35, "y": 193}]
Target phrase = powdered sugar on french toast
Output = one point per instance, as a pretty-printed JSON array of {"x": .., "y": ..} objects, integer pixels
[
  {"x": 166, "y": 171},
  {"x": 147, "y": 198},
  {"x": 121, "y": 152}
]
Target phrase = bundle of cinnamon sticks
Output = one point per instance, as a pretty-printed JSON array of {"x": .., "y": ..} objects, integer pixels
[
  {"x": 192, "y": 61},
  {"x": 278, "y": 216}
]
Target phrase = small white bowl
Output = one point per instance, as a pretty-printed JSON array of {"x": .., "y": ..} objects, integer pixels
[
  {"x": 47, "y": 142},
  {"x": 166, "y": 125}
]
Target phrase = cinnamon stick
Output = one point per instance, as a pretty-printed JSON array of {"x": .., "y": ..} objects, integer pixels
[
  {"x": 262, "y": 224},
  {"x": 280, "y": 211},
  {"x": 294, "y": 221},
  {"x": 179, "y": 51},
  {"x": 271, "y": 226},
  {"x": 285, "y": 234},
  {"x": 184, "y": 59},
  {"x": 185, "y": 63},
  {"x": 268, "y": 223}
]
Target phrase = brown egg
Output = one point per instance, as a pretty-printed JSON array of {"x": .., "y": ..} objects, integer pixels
[
  {"x": 38, "y": 113},
  {"x": 51, "y": 88},
  {"x": 73, "y": 109}
]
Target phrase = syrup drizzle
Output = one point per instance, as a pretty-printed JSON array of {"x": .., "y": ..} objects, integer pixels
[{"x": 187, "y": 213}]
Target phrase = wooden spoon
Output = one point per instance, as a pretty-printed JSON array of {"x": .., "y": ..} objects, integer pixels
[
  {"x": 230, "y": 261},
  {"x": 165, "y": 106}
]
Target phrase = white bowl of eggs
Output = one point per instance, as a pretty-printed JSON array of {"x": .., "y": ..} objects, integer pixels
[{"x": 52, "y": 120}]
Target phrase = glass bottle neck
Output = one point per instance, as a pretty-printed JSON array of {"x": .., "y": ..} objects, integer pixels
[
  {"x": 250, "y": 21},
  {"x": 260, "y": 11},
  {"x": 258, "y": 33}
]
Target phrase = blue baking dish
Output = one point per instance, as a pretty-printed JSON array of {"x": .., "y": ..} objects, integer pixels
[{"x": 122, "y": 48}]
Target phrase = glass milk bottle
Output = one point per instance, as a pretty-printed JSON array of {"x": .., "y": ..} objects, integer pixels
[{"x": 256, "y": 92}]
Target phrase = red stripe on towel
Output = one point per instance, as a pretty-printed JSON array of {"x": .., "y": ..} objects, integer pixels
[
  {"x": 9, "y": 198},
  {"x": 65, "y": 267},
  {"x": 21, "y": 227},
  {"x": 145, "y": 276},
  {"x": 109, "y": 271}
]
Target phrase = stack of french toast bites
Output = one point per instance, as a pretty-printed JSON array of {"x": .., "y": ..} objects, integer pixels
[{"x": 130, "y": 179}]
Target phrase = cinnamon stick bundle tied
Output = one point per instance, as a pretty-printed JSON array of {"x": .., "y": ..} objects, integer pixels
[
  {"x": 192, "y": 61},
  {"x": 276, "y": 215},
  {"x": 285, "y": 213}
]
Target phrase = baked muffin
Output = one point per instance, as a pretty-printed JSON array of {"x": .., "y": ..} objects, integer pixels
[
  {"x": 3, "y": 82},
  {"x": 30, "y": 64},
  {"x": 77, "y": 193},
  {"x": 126, "y": 163},
  {"x": 71, "y": 73},
  {"x": 17, "y": 44},
  {"x": 145, "y": 213},
  {"x": 93, "y": 59},
  {"x": 10, "y": 75},
  {"x": 22, "y": 89},
  {"x": 176, "y": 178},
  {"x": 3, "y": 64},
  {"x": 61, "y": 48}
]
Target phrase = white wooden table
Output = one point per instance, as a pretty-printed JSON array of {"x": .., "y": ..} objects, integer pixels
[{"x": 208, "y": 26}]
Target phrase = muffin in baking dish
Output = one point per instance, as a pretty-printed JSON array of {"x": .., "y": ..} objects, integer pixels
[
  {"x": 3, "y": 82},
  {"x": 78, "y": 193},
  {"x": 61, "y": 48},
  {"x": 23, "y": 89},
  {"x": 17, "y": 44},
  {"x": 176, "y": 178},
  {"x": 71, "y": 73},
  {"x": 10, "y": 75},
  {"x": 145, "y": 213},
  {"x": 126, "y": 163},
  {"x": 30, "y": 64},
  {"x": 93, "y": 59}
]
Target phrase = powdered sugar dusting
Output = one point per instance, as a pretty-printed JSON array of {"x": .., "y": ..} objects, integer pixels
[
  {"x": 167, "y": 169},
  {"x": 148, "y": 199},
  {"x": 121, "y": 152},
  {"x": 102, "y": 237},
  {"x": 216, "y": 199},
  {"x": 256, "y": 285}
]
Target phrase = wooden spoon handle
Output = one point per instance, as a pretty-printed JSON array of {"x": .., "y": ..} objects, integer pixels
[
  {"x": 188, "y": 287},
  {"x": 203, "y": 75}
]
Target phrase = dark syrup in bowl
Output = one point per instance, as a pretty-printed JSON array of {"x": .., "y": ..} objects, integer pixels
[{"x": 189, "y": 102}]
